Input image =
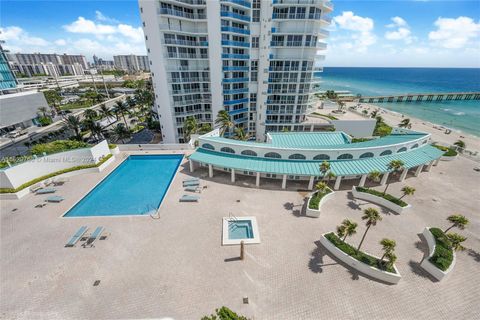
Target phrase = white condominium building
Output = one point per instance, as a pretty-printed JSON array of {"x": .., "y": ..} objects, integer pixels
[
  {"x": 131, "y": 63},
  {"x": 255, "y": 59}
]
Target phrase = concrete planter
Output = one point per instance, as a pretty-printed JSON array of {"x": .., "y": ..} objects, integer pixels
[
  {"x": 430, "y": 267},
  {"x": 115, "y": 150},
  {"x": 445, "y": 158},
  {"x": 315, "y": 213},
  {"x": 378, "y": 200},
  {"x": 375, "y": 273},
  {"x": 15, "y": 196}
]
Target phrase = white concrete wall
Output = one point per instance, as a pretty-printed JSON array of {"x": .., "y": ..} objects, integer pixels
[
  {"x": 430, "y": 267},
  {"x": 381, "y": 275},
  {"x": 15, "y": 176},
  {"x": 356, "y": 128},
  {"x": 378, "y": 200},
  {"x": 159, "y": 146},
  {"x": 315, "y": 213}
]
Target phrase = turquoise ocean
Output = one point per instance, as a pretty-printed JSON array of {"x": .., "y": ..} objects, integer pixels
[{"x": 459, "y": 115}]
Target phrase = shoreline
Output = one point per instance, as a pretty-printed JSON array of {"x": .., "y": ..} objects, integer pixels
[{"x": 437, "y": 131}]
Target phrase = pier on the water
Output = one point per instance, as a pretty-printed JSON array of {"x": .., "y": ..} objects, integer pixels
[{"x": 423, "y": 97}]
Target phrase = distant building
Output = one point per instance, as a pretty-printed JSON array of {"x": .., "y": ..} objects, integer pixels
[
  {"x": 31, "y": 64},
  {"x": 131, "y": 63},
  {"x": 102, "y": 65}
]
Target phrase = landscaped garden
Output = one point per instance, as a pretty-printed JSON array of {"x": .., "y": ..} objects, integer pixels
[
  {"x": 322, "y": 191},
  {"x": 380, "y": 194},
  {"x": 448, "y": 152}
]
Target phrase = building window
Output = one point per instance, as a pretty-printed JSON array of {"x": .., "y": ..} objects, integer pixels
[
  {"x": 297, "y": 156},
  {"x": 208, "y": 146},
  {"x": 255, "y": 15},
  {"x": 227, "y": 150},
  {"x": 321, "y": 157},
  {"x": 366, "y": 155},
  {"x": 273, "y": 155},
  {"x": 255, "y": 42},
  {"x": 402, "y": 150},
  {"x": 385, "y": 153},
  {"x": 345, "y": 156},
  {"x": 414, "y": 146},
  {"x": 249, "y": 153}
]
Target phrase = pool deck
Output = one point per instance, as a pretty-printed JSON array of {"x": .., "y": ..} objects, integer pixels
[{"x": 175, "y": 266}]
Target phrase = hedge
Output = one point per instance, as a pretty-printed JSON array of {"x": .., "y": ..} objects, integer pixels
[
  {"x": 355, "y": 140},
  {"x": 443, "y": 256},
  {"x": 360, "y": 256},
  {"x": 448, "y": 152},
  {"x": 315, "y": 200},
  {"x": 53, "y": 174},
  {"x": 387, "y": 196},
  {"x": 112, "y": 146}
]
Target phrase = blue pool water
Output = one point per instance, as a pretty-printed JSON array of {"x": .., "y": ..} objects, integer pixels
[
  {"x": 241, "y": 229},
  {"x": 136, "y": 187}
]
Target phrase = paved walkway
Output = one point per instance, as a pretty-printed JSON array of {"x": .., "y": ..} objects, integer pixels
[{"x": 176, "y": 267}]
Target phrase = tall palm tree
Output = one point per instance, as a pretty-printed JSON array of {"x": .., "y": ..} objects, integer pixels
[
  {"x": 374, "y": 176},
  {"x": 104, "y": 111},
  {"x": 459, "y": 221},
  {"x": 388, "y": 246},
  {"x": 240, "y": 134},
  {"x": 121, "y": 109},
  {"x": 90, "y": 114},
  {"x": 374, "y": 113},
  {"x": 391, "y": 259},
  {"x": 73, "y": 123},
  {"x": 405, "y": 123},
  {"x": 371, "y": 217},
  {"x": 223, "y": 119},
  {"x": 455, "y": 240},
  {"x": 346, "y": 229},
  {"x": 460, "y": 144},
  {"x": 395, "y": 166},
  {"x": 205, "y": 128},
  {"x": 407, "y": 191},
  {"x": 121, "y": 132},
  {"x": 190, "y": 126},
  {"x": 324, "y": 167},
  {"x": 330, "y": 175},
  {"x": 130, "y": 102},
  {"x": 97, "y": 131},
  {"x": 321, "y": 187}
]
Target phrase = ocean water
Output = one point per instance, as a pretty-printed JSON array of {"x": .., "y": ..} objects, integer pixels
[{"x": 460, "y": 115}]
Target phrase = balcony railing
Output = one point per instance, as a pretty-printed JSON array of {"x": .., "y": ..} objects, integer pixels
[
  {"x": 234, "y": 15},
  {"x": 235, "y": 30},
  {"x": 235, "y": 68},
  {"x": 237, "y": 111},
  {"x": 186, "y": 68},
  {"x": 194, "y": 2},
  {"x": 235, "y": 91},
  {"x": 186, "y": 56},
  {"x": 238, "y": 101},
  {"x": 193, "y": 101},
  {"x": 190, "y": 112},
  {"x": 300, "y": 16},
  {"x": 200, "y": 29},
  {"x": 192, "y": 79},
  {"x": 190, "y": 91},
  {"x": 242, "y": 3},
  {"x": 235, "y": 56},
  {"x": 182, "y": 14},
  {"x": 232, "y": 80},
  {"x": 235, "y": 43},
  {"x": 187, "y": 43}
]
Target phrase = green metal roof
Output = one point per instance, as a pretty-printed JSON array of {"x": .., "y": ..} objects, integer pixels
[
  {"x": 413, "y": 158},
  {"x": 308, "y": 139}
]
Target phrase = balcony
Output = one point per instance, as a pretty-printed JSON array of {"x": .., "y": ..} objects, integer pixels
[
  {"x": 186, "y": 56},
  {"x": 235, "y": 91},
  {"x": 242, "y": 3},
  {"x": 235, "y": 43},
  {"x": 194, "y": 2},
  {"x": 193, "y": 101},
  {"x": 187, "y": 80},
  {"x": 238, "y": 101},
  {"x": 178, "y": 13},
  {"x": 235, "y": 68},
  {"x": 199, "y": 29},
  {"x": 235, "y": 56},
  {"x": 237, "y": 111},
  {"x": 189, "y": 112},
  {"x": 240, "y": 120},
  {"x": 233, "y": 80},
  {"x": 186, "y": 68},
  {"x": 234, "y": 15},
  {"x": 324, "y": 4},
  {"x": 235, "y": 30},
  {"x": 190, "y": 91},
  {"x": 299, "y": 16},
  {"x": 186, "y": 43}
]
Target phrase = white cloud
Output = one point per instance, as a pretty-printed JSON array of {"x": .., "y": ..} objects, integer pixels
[
  {"x": 101, "y": 17},
  {"x": 135, "y": 34},
  {"x": 16, "y": 38},
  {"x": 397, "y": 22},
  {"x": 361, "y": 28},
  {"x": 82, "y": 25},
  {"x": 402, "y": 31},
  {"x": 60, "y": 42},
  {"x": 454, "y": 33}
]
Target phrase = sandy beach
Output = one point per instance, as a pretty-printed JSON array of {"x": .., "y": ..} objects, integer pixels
[{"x": 438, "y": 131}]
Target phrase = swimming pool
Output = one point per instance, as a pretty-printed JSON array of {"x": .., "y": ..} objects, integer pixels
[{"x": 135, "y": 187}]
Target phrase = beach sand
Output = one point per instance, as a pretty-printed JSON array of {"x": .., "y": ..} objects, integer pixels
[{"x": 438, "y": 131}]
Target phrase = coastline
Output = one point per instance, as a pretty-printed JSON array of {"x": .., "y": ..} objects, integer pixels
[{"x": 437, "y": 131}]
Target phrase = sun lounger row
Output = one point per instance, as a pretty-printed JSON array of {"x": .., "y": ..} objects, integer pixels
[{"x": 90, "y": 239}]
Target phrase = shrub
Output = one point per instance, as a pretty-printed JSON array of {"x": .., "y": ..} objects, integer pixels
[
  {"x": 224, "y": 313},
  {"x": 44, "y": 121},
  {"x": 360, "y": 256},
  {"x": 382, "y": 129},
  {"x": 355, "y": 140},
  {"x": 112, "y": 146},
  {"x": 58, "y": 146},
  {"x": 387, "y": 196},
  {"x": 443, "y": 256},
  {"x": 448, "y": 152},
  {"x": 53, "y": 174},
  {"x": 315, "y": 200}
]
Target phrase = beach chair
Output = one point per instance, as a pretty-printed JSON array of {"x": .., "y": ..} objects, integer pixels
[
  {"x": 191, "y": 183},
  {"x": 191, "y": 179},
  {"x": 36, "y": 187},
  {"x": 187, "y": 198},
  {"x": 94, "y": 236},
  {"x": 46, "y": 190},
  {"x": 54, "y": 199},
  {"x": 74, "y": 239},
  {"x": 192, "y": 189}
]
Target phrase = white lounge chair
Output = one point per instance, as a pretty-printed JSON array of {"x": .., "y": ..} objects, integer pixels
[
  {"x": 191, "y": 183},
  {"x": 187, "y": 198},
  {"x": 191, "y": 179},
  {"x": 193, "y": 189},
  {"x": 74, "y": 239}
]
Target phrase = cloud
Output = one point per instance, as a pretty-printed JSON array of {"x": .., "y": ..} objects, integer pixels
[
  {"x": 361, "y": 29},
  {"x": 60, "y": 42},
  {"x": 135, "y": 34},
  {"x": 454, "y": 33},
  {"x": 17, "y": 37},
  {"x": 101, "y": 17},
  {"x": 82, "y": 25},
  {"x": 397, "y": 22},
  {"x": 402, "y": 31}
]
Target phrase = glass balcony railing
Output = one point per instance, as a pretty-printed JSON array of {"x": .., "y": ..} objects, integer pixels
[
  {"x": 182, "y": 14},
  {"x": 194, "y": 2},
  {"x": 231, "y": 80},
  {"x": 186, "y": 56},
  {"x": 235, "y": 68},
  {"x": 242, "y": 3},
  {"x": 237, "y": 111},
  {"x": 238, "y": 101},
  {"x": 187, "y": 43},
  {"x": 235, "y": 30},
  {"x": 235, "y": 43},
  {"x": 235, "y": 91},
  {"x": 192, "y": 79},
  {"x": 235, "y": 56},
  {"x": 300, "y": 16},
  {"x": 234, "y": 15},
  {"x": 193, "y": 101}
]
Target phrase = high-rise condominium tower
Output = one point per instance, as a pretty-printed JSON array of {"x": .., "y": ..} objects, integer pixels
[{"x": 255, "y": 59}]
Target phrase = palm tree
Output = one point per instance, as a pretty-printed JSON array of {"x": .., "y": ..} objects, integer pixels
[
  {"x": 395, "y": 166},
  {"x": 340, "y": 104},
  {"x": 372, "y": 216},
  {"x": 223, "y": 118},
  {"x": 90, "y": 114},
  {"x": 190, "y": 126},
  {"x": 205, "y": 128},
  {"x": 285, "y": 129},
  {"x": 388, "y": 246},
  {"x": 460, "y": 144},
  {"x": 407, "y": 191},
  {"x": 405, "y": 123},
  {"x": 458, "y": 221},
  {"x": 330, "y": 175},
  {"x": 455, "y": 241},
  {"x": 43, "y": 111},
  {"x": 373, "y": 114},
  {"x": 104, "y": 111},
  {"x": 73, "y": 123},
  {"x": 121, "y": 109},
  {"x": 97, "y": 131},
  {"x": 321, "y": 187},
  {"x": 391, "y": 259},
  {"x": 346, "y": 229},
  {"x": 374, "y": 176},
  {"x": 324, "y": 167},
  {"x": 121, "y": 132},
  {"x": 240, "y": 134},
  {"x": 130, "y": 102}
]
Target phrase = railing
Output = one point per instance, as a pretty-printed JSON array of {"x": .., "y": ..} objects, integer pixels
[
  {"x": 243, "y": 3},
  {"x": 186, "y": 56},
  {"x": 182, "y": 28},
  {"x": 238, "y": 101},
  {"x": 234, "y": 15},
  {"x": 235, "y": 68},
  {"x": 240, "y": 120},
  {"x": 186, "y": 68},
  {"x": 236, "y": 30},
  {"x": 230, "y": 80},
  {"x": 235, "y": 56},
  {"x": 182, "y": 14},
  {"x": 188, "y": 112},
  {"x": 237, "y": 111},
  {"x": 235, "y": 43},
  {"x": 313, "y": 16},
  {"x": 194, "y": 101},
  {"x": 194, "y": 2},
  {"x": 193, "y": 79},
  {"x": 189, "y": 91},
  {"x": 234, "y": 91},
  {"x": 187, "y": 43},
  {"x": 157, "y": 146}
]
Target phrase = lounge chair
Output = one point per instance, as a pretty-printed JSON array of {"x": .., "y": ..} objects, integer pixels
[
  {"x": 191, "y": 183},
  {"x": 193, "y": 189},
  {"x": 191, "y": 179},
  {"x": 54, "y": 199},
  {"x": 187, "y": 198},
  {"x": 36, "y": 187},
  {"x": 46, "y": 190},
  {"x": 74, "y": 239},
  {"x": 94, "y": 236}
]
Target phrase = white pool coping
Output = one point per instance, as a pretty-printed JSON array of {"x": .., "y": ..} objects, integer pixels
[{"x": 228, "y": 242}]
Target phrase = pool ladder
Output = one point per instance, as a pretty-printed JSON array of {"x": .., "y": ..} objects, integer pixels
[{"x": 231, "y": 217}]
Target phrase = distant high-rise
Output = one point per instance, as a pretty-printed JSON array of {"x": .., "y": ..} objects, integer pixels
[
  {"x": 31, "y": 64},
  {"x": 255, "y": 59},
  {"x": 131, "y": 63}
]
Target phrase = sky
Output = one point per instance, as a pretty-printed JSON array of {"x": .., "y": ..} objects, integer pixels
[{"x": 408, "y": 33}]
